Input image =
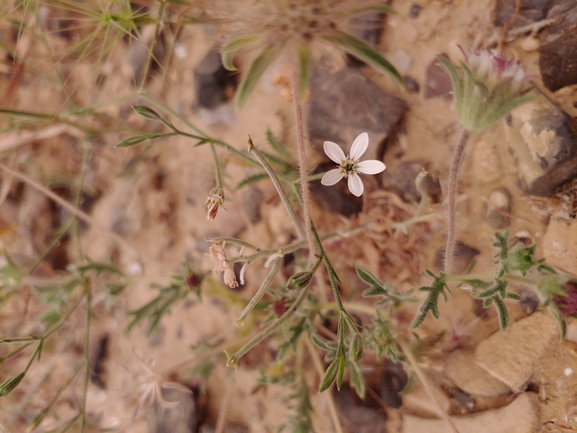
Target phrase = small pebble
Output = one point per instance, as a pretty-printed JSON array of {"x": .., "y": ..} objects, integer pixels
[{"x": 530, "y": 43}]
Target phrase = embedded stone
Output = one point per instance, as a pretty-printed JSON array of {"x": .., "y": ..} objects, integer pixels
[
  {"x": 460, "y": 367},
  {"x": 347, "y": 103},
  {"x": 520, "y": 416},
  {"x": 213, "y": 84},
  {"x": 513, "y": 356},
  {"x": 560, "y": 245},
  {"x": 557, "y": 60},
  {"x": 530, "y": 12},
  {"x": 497, "y": 209},
  {"x": 438, "y": 82},
  {"x": 543, "y": 140}
]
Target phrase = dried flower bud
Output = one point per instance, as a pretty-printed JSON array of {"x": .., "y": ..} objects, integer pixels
[
  {"x": 218, "y": 254},
  {"x": 300, "y": 280},
  {"x": 214, "y": 200}
]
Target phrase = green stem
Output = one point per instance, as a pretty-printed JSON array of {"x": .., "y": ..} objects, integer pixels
[
  {"x": 270, "y": 329},
  {"x": 302, "y": 157},
  {"x": 261, "y": 291},
  {"x": 154, "y": 39},
  {"x": 426, "y": 384},
  {"x": 276, "y": 182},
  {"x": 217, "y": 174},
  {"x": 450, "y": 248}
]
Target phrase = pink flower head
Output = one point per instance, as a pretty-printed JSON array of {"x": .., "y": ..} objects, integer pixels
[
  {"x": 350, "y": 166},
  {"x": 493, "y": 70}
]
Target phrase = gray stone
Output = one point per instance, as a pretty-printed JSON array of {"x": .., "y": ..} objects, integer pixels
[
  {"x": 178, "y": 416},
  {"x": 337, "y": 198},
  {"x": 521, "y": 416},
  {"x": 214, "y": 85},
  {"x": 402, "y": 182},
  {"x": 543, "y": 139},
  {"x": 560, "y": 245},
  {"x": 438, "y": 82},
  {"x": 253, "y": 200},
  {"x": 347, "y": 103},
  {"x": 497, "y": 209},
  {"x": 557, "y": 59},
  {"x": 513, "y": 356},
  {"x": 356, "y": 415},
  {"x": 460, "y": 368},
  {"x": 531, "y": 11}
]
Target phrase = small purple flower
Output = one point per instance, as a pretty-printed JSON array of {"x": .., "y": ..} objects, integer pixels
[{"x": 350, "y": 166}]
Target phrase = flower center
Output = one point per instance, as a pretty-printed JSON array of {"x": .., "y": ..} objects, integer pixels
[{"x": 348, "y": 167}]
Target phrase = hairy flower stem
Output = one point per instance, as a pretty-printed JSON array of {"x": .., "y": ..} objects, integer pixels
[
  {"x": 217, "y": 175},
  {"x": 233, "y": 359},
  {"x": 409, "y": 354},
  {"x": 302, "y": 156},
  {"x": 261, "y": 291},
  {"x": 276, "y": 182},
  {"x": 450, "y": 248}
]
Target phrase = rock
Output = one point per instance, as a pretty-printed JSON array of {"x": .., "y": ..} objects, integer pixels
[
  {"x": 417, "y": 401},
  {"x": 180, "y": 416},
  {"x": 336, "y": 198},
  {"x": 464, "y": 255},
  {"x": 557, "y": 380},
  {"x": 497, "y": 209},
  {"x": 368, "y": 27},
  {"x": 438, "y": 82},
  {"x": 402, "y": 182},
  {"x": 543, "y": 139},
  {"x": 393, "y": 380},
  {"x": 415, "y": 11},
  {"x": 531, "y": 11},
  {"x": 411, "y": 84},
  {"x": 557, "y": 60},
  {"x": 513, "y": 356},
  {"x": 214, "y": 85},
  {"x": 356, "y": 416},
  {"x": 521, "y": 416},
  {"x": 347, "y": 103},
  {"x": 460, "y": 368},
  {"x": 253, "y": 199},
  {"x": 560, "y": 245}
]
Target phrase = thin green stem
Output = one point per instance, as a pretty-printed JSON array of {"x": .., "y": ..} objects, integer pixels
[
  {"x": 217, "y": 175},
  {"x": 261, "y": 291},
  {"x": 87, "y": 363},
  {"x": 450, "y": 248},
  {"x": 426, "y": 384},
  {"x": 154, "y": 39},
  {"x": 276, "y": 182},
  {"x": 271, "y": 328},
  {"x": 302, "y": 157},
  {"x": 418, "y": 217}
]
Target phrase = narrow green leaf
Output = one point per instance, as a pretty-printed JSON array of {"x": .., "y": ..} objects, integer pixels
[
  {"x": 229, "y": 50},
  {"x": 322, "y": 343},
  {"x": 251, "y": 179},
  {"x": 146, "y": 112},
  {"x": 503, "y": 313},
  {"x": 132, "y": 141},
  {"x": 357, "y": 380},
  {"x": 341, "y": 371},
  {"x": 257, "y": 68},
  {"x": 276, "y": 144},
  {"x": 9, "y": 384},
  {"x": 329, "y": 376},
  {"x": 368, "y": 278},
  {"x": 366, "y": 53},
  {"x": 556, "y": 313}
]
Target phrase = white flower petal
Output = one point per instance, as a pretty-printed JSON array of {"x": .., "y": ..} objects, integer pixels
[
  {"x": 371, "y": 166},
  {"x": 359, "y": 146},
  {"x": 334, "y": 152},
  {"x": 355, "y": 184},
  {"x": 332, "y": 176}
]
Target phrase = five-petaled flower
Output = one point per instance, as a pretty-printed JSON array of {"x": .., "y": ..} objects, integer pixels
[{"x": 350, "y": 166}]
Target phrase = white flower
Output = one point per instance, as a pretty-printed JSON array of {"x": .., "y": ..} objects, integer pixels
[{"x": 351, "y": 166}]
